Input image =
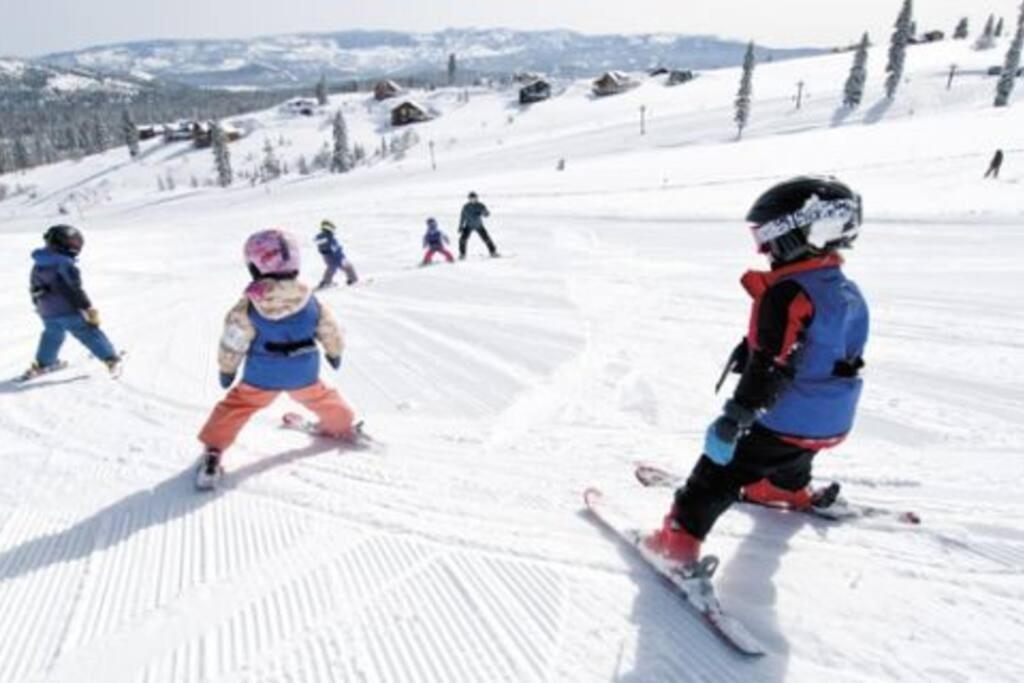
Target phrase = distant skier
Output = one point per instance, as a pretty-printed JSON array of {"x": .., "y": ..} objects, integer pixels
[
  {"x": 995, "y": 165},
  {"x": 472, "y": 220},
  {"x": 800, "y": 364},
  {"x": 56, "y": 288},
  {"x": 434, "y": 241},
  {"x": 274, "y": 329},
  {"x": 334, "y": 256}
]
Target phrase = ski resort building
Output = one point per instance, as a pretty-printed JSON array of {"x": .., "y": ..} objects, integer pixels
[
  {"x": 536, "y": 91},
  {"x": 613, "y": 83},
  {"x": 409, "y": 112},
  {"x": 385, "y": 90},
  {"x": 679, "y": 76}
]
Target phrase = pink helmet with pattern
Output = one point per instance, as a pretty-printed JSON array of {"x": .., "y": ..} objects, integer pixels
[{"x": 271, "y": 253}]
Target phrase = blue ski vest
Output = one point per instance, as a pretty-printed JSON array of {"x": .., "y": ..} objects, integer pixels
[
  {"x": 283, "y": 354},
  {"x": 821, "y": 400}
]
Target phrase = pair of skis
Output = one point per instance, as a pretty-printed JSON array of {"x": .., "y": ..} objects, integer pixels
[{"x": 694, "y": 583}]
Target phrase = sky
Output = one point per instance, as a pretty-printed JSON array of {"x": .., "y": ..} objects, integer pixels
[{"x": 36, "y": 27}]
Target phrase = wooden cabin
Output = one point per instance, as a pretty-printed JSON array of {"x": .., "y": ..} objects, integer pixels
[
  {"x": 536, "y": 91},
  {"x": 385, "y": 90},
  {"x": 409, "y": 112},
  {"x": 300, "y": 106},
  {"x": 613, "y": 83},
  {"x": 202, "y": 133},
  {"x": 679, "y": 76}
]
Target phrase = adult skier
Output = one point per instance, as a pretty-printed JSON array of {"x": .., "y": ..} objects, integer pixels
[
  {"x": 334, "y": 256},
  {"x": 274, "y": 329},
  {"x": 472, "y": 220},
  {"x": 434, "y": 241},
  {"x": 995, "y": 165},
  {"x": 61, "y": 302},
  {"x": 800, "y": 365}
]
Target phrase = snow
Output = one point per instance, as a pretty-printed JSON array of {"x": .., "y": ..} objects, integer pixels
[{"x": 455, "y": 549}]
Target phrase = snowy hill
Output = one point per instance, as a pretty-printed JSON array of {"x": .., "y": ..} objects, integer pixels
[
  {"x": 455, "y": 548},
  {"x": 302, "y": 58},
  {"x": 19, "y": 77}
]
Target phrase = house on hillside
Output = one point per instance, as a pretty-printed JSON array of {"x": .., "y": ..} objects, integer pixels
[
  {"x": 613, "y": 83},
  {"x": 300, "y": 106},
  {"x": 657, "y": 71},
  {"x": 409, "y": 112},
  {"x": 679, "y": 76},
  {"x": 176, "y": 132},
  {"x": 535, "y": 91},
  {"x": 148, "y": 132},
  {"x": 385, "y": 90},
  {"x": 202, "y": 133}
]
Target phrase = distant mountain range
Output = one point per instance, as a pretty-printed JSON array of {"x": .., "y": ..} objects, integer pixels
[
  {"x": 20, "y": 77},
  {"x": 289, "y": 60}
]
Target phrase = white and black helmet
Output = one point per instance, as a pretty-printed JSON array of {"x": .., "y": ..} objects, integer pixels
[{"x": 805, "y": 216}]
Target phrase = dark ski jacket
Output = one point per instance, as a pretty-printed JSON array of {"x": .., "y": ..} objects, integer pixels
[
  {"x": 804, "y": 350},
  {"x": 56, "y": 285},
  {"x": 473, "y": 214},
  {"x": 329, "y": 247}
]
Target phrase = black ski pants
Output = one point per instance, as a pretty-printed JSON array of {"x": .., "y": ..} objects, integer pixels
[
  {"x": 482, "y": 231},
  {"x": 711, "y": 489}
]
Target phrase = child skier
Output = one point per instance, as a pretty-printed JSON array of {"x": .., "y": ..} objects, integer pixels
[
  {"x": 334, "y": 256},
  {"x": 800, "y": 362},
  {"x": 434, "y": 241},
  {"x": 274, "y": 328},
  {"x": 56, "y": 288}
]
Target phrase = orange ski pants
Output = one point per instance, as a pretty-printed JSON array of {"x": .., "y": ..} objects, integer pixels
[{"x": 231, "y": 414}]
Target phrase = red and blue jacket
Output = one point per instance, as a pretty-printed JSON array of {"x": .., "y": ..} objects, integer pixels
[{"x": 805, "y": 345}]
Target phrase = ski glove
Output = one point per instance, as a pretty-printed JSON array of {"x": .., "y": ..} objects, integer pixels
[
  {"x": 722, "y": 435},
  {"x": 226, "y": 379},
  {"x": 92, "y": 316},
  {"x": 334, "y": 361}
]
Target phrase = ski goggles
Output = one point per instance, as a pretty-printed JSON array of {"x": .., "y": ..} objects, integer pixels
[{"x": 822, "y": 221}]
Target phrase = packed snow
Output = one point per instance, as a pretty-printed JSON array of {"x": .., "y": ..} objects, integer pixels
[{"x": 455, "y": 547}]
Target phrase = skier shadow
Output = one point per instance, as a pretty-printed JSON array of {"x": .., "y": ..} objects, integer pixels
[
  {"x": 171, "y": 499},
  {"x": 672, "y": 644},
  {"x": 877, "y": 111},
  {"x": 840, "y": 115},
  {"x": 14, "y": 387}
]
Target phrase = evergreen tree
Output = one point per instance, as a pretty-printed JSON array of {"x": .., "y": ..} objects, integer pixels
[
  {"x": 22, "y": 158},
  {"x": 321, "y": 91},
  {"x": 986, "y": 40},
  {"x": 962, "y": 29},
  {"x": 340, "y": 160},
  {"x": 1009, "y": 76},
  {"x": 221, "y": 155},
  {"x": 130, "y": 132},
  {"x": 101, "y": 138},
  {"x": 853, "y": 93},
  {"x": 84, "y": 138},
  {"x": 898, "y": 49},
  {"x": 999, "y": 28},
  {"x": 6, "y": 159},
  {"x": 303, "y": 165},
  {"x": 271, "y": 167},
  {"x": 452, "y": 67},
  {"x": 742, "y": 115}
]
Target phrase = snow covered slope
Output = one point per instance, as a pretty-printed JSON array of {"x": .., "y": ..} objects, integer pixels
[{"x": 455, "y": 549}]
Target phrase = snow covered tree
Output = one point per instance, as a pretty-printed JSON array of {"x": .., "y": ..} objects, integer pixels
[
  {"x": 22, "y": 157},
  {"x": 130, "y": 132},
  {"x": 742, "y": 115},
  {"x": 898, "y": 49},
  {"x": 340, "y": 159},
  {"x": 987, "y": 40},
  {"x": 1009, "y": 76},
  {"x": 100, "y": 135},
  {"x": 962, "y": 29},
  {"x": 452, "y": 68},
  {"x": 853, "y": 93},
  {"x": 6, "y": 159},
  {"x": 321, "y": 91},
  {"x": 302, "y": 165},
  {"x": 221, "y": 155},
  {"x": 998, "y": 32},
  {"x": 270, "y": 168}
]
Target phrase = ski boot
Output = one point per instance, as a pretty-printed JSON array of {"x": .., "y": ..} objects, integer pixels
[
  {"x": 764, "y": 492},
  {"x": 36, "y": 370},
  {"x": 210, "y": 470},
  {"x": 114, "y": 365},
  {"x": 673, "y": 542}
]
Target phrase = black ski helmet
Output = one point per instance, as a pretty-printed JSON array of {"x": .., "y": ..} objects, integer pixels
[
  {"x": 65, "y": 239},
  {"x": 473, "y": 195},
  {"x": 805, "y": 216}
]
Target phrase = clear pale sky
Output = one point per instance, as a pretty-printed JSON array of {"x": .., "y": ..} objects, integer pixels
[{"x": 34, "y": 27}]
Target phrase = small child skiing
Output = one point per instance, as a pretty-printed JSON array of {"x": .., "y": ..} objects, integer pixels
[
  {"x": 334, "y": 256},
  {"x": 800, "y": 362},
  {"x": 274, "y": 329},
  {"x": 434, "y": 241},
  {"x": 56, "y": 288}
]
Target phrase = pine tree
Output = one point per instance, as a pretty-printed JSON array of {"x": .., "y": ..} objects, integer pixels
[
  {"x": 101, "y": 138},
  {"x": 962, "y": 30},
  {"x": 452, "y": 67},
  {"x": 853, "y": 93},
  {"x": 898, "y": 49},
  {"x": 742, "y": 115},
  {"x": 340, "y": 159},
  {"x": 321, "y": 91},
  {"x": 84, "y": 134},
  {"x": 998, "y": 33},
  {"x": 986, "y": 40},
  {"x": 221, "y": 155},
  {"x": 1009, "y": 76},
  {"x": 303, "y": 165},
  {"x": 22, "y": 158},
  {"x": 130, "y": 132},
  {"x": 6, "y": 159},
  {"x": 271, "y": 167}
]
